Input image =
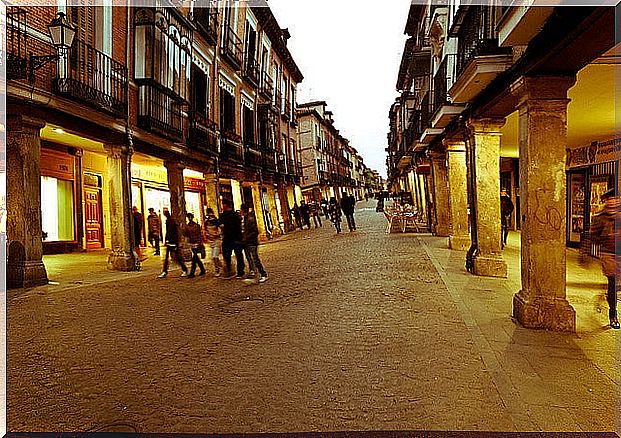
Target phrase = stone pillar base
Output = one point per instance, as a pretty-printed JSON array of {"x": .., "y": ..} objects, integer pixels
[
  {"x": 459, "y": 243},
  {"x": 121, "y": 261},
  {"x": 26, "y": 274},
  {"x": 541, "y": 313},
  {"x": 490, "y": 267}
]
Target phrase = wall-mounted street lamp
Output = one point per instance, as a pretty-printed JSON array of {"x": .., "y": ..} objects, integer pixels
[{"x": 62, "y": 32}]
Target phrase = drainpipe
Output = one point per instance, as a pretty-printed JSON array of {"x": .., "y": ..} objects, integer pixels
[{"x": 130, "y": 140}]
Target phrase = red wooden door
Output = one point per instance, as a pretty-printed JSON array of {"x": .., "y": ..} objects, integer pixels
[{"x": 93, "y": 219}]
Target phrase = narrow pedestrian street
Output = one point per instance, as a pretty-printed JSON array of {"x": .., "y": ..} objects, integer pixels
[{"x": 355, "y": 331}]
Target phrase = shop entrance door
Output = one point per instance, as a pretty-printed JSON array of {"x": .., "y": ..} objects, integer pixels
[{"x": 92, "y": 217}]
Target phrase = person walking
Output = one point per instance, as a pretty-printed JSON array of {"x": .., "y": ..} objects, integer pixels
[
  {"x": 324, "y": 207},
  {"x": 348, "y": 204},
  {"x": 314, "y": 212},
  {"x": 195, "y": 237},
  {"x": 296, "y": 215},
  {"x": 155, "y": 230},
  {"x": 334, "y": 210},
  {"x": 214, "y": 239},
  {"x": 138, "y": 223},
  {"x": 506, "y": 208},
  {"x": 251, "y": 243},
  {"x": 172, "y": 240},
  {"x": 231, "y": 240},
  {"x": 606, "y": 230},
  {"x": 305, "y": 213}
]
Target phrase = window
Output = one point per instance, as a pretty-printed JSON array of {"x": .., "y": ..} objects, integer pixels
[
  {"x": 57, "y": 209},
  {"x": 227, "y": 111},
  {"x": 248, "y": 121},
  {"x": 200, "y": 91}
]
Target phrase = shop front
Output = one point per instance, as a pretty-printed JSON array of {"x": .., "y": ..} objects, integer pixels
[{"x": 591, "y": 171}]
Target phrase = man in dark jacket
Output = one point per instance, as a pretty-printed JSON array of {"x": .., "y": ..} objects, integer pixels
[
  {"x": 251, "y": 243},
  {"x": 305, "y": 213},
  {"x": 506, "y": 208},
  {"x": 348, "y": 204},
  {"x": 195, "y": 237},
  {"x": 231, "y": 240},
  {"x": 172, "y": 246}
]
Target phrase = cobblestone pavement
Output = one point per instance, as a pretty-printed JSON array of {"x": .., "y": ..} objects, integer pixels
[{"x": 355, "y": 331}]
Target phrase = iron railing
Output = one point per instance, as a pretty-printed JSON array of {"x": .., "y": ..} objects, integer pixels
[
  {"x": 251, "y": 70},
  {"x": 230, "y": 147},
  {"x": 202, "y": 135},
  {"x": 252, "y": 155},
  {"x": 269, "y": 161},
  {"x": 278, "y": 102},
  {"x": 95, "y": 79},
  {"x": 478, "y": 36},
  {"x": 267, "y": 85},
  {"x": 287, "y": 113},
  {"x": 442, "y": 82},
  {"x": 281, "y": 164},
  {"x": 206, "y": 20},
  {"x": 16, "y": 44},
  {"x": 232, "y": 49},
  {"x": 291, "y": 167},
  {"x": 425, "y": 113},
  {"x": 159, "y": 111}
]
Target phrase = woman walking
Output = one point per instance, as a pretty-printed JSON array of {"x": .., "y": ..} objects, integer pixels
[{"x": 334, "y": 209}]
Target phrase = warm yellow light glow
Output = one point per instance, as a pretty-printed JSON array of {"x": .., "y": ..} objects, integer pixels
[
  {"x": 237, "y": 197},
  {"x": 59, "y": 131}
]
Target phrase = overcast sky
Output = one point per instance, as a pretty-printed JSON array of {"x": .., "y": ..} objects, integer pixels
[{"x": 349, "y": 53}]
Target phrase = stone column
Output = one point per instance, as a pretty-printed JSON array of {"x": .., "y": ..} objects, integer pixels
[
  {"x": 542, "y": 302},
  {"x": 211, "y": 192},
  {"x": 258, "y": 210},
  {"x": 441, "y": 194},
  {"x": 458, "y": 194},
  {"x": 23, "y": 203},
  {"x": 122, "y": 257},
  {"x": 271, "y": 201},
  {"x": 485, "y": 142},
  {"x": 176, "y": 187}
]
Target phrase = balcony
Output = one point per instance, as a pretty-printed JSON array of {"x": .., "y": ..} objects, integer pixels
[
  {"x": 251, "y": 71},
  {"x": 281, "y": 164},
  {"x": 269, "y": 162},
  {"x": 291, "y": 167},
  {"x": 202, "y": 135},
  {"x": 480, "y": 60},
  {"x": 444, "y": 111},
  {"x": 252, "y": 155},
  {"x": 232, "y": 48},
  {"x": 287, "y": 113},
  {"x": 278, "y": 102},
  {"x": 519, "y": 24},
  {"x": 267, "y": 86},
  {"x": 159, "y": 111},
  {"x": 230, "y": 148},
  {"x": 206, "y": 20},
  {"x": 95, "y": 79},
  {"x": 16, "y": 44}
]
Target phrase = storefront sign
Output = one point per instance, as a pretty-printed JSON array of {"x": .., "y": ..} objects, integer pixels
[
  {"x": 194, "y": 184},
  {"x": 596, "y": 152},
  {"x": 57, "y": 164}
]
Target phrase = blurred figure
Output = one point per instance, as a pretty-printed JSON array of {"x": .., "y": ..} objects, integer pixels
[
  {"x": 305, "y": 213},
  {"x": 195, "y": 237},
  {"x": 348, "y": 205},
  {"x": 324, "y": 207},
  {"x": 314, "y": 212},
  {"x": 251, "y": 244},
  {"x": 214, "y": 239},
  {"x": 138, "y": 223},
  {"x": 606, "y": 230},
  {"x": 172, "y": 246},
  {"x": 231, "y": 240},
  {"x": 334, "y": 209},
  {"x": 155, "y": 230},
  {"x": 506, "y": 208}
]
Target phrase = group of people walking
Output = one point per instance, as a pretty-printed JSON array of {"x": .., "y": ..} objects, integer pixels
[
  {"x": 232, "y": 232},
  {"x": 331, "y": 210}
]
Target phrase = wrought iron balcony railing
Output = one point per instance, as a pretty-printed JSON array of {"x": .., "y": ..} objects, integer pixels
[
  {"x": 206, "y": 20},
  {"x": 291, "y": 167},
  {"x": 16, "y": 44},
  {"x": 278, "y": 102},
  {"x": 267, "y": 85},
  {"x": 281, "y": 164},
  {"x": 269, "y": 160},
  {"x": 159, "y": 110},
  {"x": 478, "y": 36},
  {"x": 232, "y": 48},
  {"x": 442, "y": 82},
  {"x": 231, "y": 148},
  {"x": 251, "y": 71},
  {"x": 95, "y": 79},
  {"x": 252, "y": 155},
  {"x": 287, "y": 112},
  {"x": 425, "y": 113},
  {"x": 202, "y": 135}
]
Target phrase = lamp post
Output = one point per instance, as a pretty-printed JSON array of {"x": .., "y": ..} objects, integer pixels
[{"x": 62, "y": 33}]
